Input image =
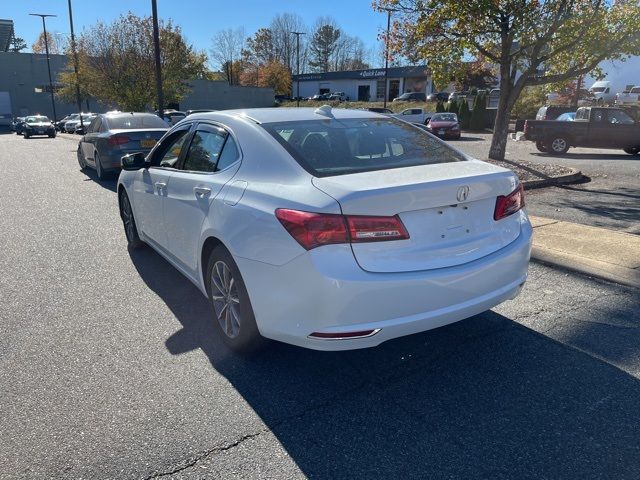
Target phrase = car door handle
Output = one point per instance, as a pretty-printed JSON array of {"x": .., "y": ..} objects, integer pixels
[
  {"x": 160, "y": 186},
  {"x": 202, "y": 192}
]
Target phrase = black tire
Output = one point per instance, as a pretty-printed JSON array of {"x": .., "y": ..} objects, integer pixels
[
  {"x": 26, "y": 135},
  {"x": 102, "y": 175},
  {"x": 632, "y": 151},
  {"x": 541, "y": 147},
  {"x": 81, "y": 160},
  {"x": 558, "y": 145},
  {"x": 129, "y": 222},
  {"x": 232, "y": 313}
]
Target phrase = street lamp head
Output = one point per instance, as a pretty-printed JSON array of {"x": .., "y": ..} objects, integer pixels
[{"x": 43, "y": 15}]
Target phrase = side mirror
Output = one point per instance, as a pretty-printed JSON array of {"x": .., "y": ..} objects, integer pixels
[{"x": 133, "y": 161}]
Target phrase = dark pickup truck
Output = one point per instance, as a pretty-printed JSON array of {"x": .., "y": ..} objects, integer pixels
[{"x": 596, "y": 127}]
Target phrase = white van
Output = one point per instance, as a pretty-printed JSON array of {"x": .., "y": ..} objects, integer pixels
[{"x": 602, "y": 92}]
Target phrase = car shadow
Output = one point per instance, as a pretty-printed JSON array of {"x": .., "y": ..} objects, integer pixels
[
  {"x": 589, "y": 156},
  {"x": 482, "y": 398},
  {"x": 467, "y": 138},
  {"x": 110, "y": 183}
]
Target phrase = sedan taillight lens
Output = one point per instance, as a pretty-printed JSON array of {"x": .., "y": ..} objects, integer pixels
[
  {"x": 118, "y": 140},
  {"x": 312, "y": 230},
  {"x": 509, "y": 204}
]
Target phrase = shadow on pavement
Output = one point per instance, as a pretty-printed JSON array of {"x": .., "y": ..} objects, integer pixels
[
  {"x": 589, "y": 156},
  {"x": 110, "y": 183},
  {"x": 482, "y": 398},
  {"x": 467, "y": 138}
]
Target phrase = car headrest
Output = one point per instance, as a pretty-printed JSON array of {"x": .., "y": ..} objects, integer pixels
[{"x": 369, "y": 144}]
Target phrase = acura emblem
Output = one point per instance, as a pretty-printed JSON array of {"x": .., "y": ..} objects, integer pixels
[{"x": 463, "y": 193}]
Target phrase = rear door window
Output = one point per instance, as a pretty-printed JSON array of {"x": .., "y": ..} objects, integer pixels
[{"x": 204, "y": 151}]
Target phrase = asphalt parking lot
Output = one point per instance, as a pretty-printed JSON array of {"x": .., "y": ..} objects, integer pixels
[
  {"x": 109, "y": 369},
  {"x": 610, "y": 198}
]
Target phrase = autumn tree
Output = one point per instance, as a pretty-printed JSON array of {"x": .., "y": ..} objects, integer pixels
[
  {"x": 277, "y": 76},
  {"x": 117, "y": 67},
  {"x": 531, "y": 42},
  {"x": 56, "y": 42}
]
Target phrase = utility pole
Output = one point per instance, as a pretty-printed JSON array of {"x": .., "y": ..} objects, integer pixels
[
  {"x": 297, "y": 34},
  {"x": 386, "y": 59},
  {"x": 75, "y": 65},
  {"x": 156, "y": 47},
  {"x": 46, "y": 49}
]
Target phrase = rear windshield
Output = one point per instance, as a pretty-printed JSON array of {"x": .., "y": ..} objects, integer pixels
[
  {"x": 135, "y": 121},
  {"x": 339, "y": 147},
  {"x": 444, "y": 117}
]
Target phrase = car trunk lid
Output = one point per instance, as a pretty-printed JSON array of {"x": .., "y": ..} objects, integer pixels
[
  {"x": 445, "y": 228},
  {"x": 140, "y": 139}
]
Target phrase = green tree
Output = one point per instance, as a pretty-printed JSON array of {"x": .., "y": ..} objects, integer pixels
[
  {"x": 479, "y": 113},
  {"x": 323, "y": 44},
  {"x": 17, "y": 44},
  {"x": 440, "y": 107},
  {"x": 56, "y": 42},
  {"x": 531, "y": 42},
  {"x": 117, "y": 66},
  {"x": 464, "y": 114},
  {"x": 452, "y": 106}
]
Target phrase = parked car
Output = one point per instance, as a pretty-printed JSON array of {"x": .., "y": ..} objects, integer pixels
[
  {"x": 414, "y": 115},
  {"x": 72, "y": 126},
  {"x": 173, "y": 116},
  {"x": 38, "y": 125},
  {"x": 307, "y": 231},
  {"x": 629, "y": 97},
  {"x": 110, "y": 136},
  {"x": 567, "y": 117},
  {"x": 457, "y": 96},
  {"x": 385, "y": 111},
  {"x": 598, "y": 127},
  {"x": 17, "y": 124},
  {"x": 320, "y": 97},
  {"x": 551, "y": 112},
  {"x": 338, "y": 96},
  {"x": 411, "y": 97},
  {"x": 201, "y": 110},
  {"x": 438, "y": 97},
  {"x": 444, "y": 125},
  {"x": 60, "y": 123}
]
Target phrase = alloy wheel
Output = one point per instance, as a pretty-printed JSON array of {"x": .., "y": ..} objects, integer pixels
[
  {"x": 226, "y": 302},
  {"x": 559, "y": 145}
]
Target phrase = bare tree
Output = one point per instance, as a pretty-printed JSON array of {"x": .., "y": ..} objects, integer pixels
[
  {"x": 226, "y": 50},
  {"x": 284, "y": 43}
]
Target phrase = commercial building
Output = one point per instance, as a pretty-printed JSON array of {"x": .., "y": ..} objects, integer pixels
[
  {"x": 366, "y": 85},
  {"x": 6, "y": 34},
  {"x": 25, "y": 77}
]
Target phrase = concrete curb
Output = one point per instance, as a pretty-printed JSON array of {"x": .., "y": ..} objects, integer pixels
[
  {"x": 598, "y": 252},
  {"x": 590, "y": 267},
  {"x": 573, "y": 177}
]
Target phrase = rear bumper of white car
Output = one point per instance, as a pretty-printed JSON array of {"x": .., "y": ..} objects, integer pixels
[{"x": 326, "y": 291}]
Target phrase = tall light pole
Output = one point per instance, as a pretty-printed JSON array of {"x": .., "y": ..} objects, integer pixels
[
  {"x": 75, "y": 65},
  {"x": 46, "y": 49},
  {"x": 386, "y": 58},
  {"x": 297, "y": 34},
  {"x": 156, "y": 48}
]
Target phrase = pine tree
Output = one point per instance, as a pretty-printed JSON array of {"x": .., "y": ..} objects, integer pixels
[
  {"x": 440, "y": 107},
  {"x": 452, "y": 106},
  {"x": 464, "y": 115},
  {"x": 479, "y": 113}
]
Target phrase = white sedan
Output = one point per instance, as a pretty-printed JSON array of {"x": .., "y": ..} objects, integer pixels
[{"x": 331, "y": 230}]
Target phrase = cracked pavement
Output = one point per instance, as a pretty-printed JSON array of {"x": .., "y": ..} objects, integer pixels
[{"x": 108, "y": 368}]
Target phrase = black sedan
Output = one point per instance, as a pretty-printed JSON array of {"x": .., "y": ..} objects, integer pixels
[{"x": 38, "y": 125}]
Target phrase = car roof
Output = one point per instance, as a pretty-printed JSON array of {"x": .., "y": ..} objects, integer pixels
[
  {"x": 127, "y": 114},
  {"x": 285, "y": 114}
]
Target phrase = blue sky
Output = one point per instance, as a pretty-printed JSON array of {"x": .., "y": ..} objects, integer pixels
[{"x": 199, "y": 19}]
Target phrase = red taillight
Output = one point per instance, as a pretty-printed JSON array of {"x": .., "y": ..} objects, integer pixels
[
  {"x": 118, "y": 140},
  {"x": 312, "y": 230},
  {"x": 509, "y": 204}
]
